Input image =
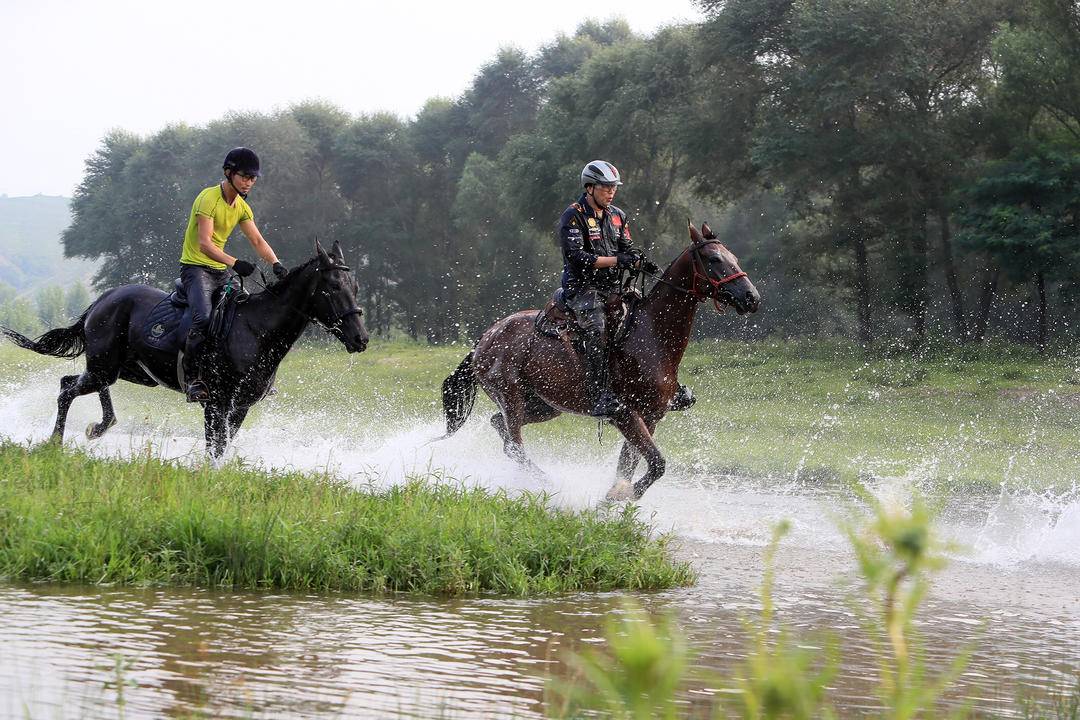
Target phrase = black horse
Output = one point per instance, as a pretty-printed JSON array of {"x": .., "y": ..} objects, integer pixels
[{"x": 118, "y": 332}]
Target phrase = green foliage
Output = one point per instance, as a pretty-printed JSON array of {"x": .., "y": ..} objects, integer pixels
[
  {"x": 638, "y": 677},
  {"x": 65, "y": 517},
  {"x": 1024, "y": 211},
  {"x": 825, "y": 137},
  {"x": 896, "y": 551},
  {"x": 779, "y": 678},
  {"x": 647, "y": 667},
  {"x": 19, "y": 315}
]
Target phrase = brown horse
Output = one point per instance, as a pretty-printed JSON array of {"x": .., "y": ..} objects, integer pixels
[{"x": 533, "y": 378}]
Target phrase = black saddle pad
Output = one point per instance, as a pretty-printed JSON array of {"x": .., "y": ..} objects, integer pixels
[
  {"x": 167, "y": 325},
  {"x": 163, "y": 329}
]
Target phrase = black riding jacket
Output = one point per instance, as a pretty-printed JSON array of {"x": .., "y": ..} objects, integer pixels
[{"x": 585, "y": 237}]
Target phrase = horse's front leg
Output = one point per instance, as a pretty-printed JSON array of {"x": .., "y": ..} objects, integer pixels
[
  {"x": 215, "y": 422},
  {"x": 628, "y": 460},
  {"x": 236, "y": 419},
  {"x": 637, "y": 434}
]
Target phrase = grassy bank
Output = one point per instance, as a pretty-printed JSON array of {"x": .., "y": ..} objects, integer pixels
[
  {"x": 970, "y": 418},
  {"x": 69, "y": 518}
]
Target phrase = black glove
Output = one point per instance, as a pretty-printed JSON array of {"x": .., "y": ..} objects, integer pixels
[
  {"x": 625, "y": 260},
  {"x": 280, "y": 271},
  {"x": 649, "y": 266},
  {"x": 243, "y": 268}
]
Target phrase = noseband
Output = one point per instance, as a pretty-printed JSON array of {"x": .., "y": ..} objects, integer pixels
[
  {"x": 333, "y": 326},
  {"x": 705, "y": 274}
]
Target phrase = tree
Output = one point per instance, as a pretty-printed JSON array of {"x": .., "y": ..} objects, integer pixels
[
  {"x": 1025, "y": 210},
  {"x": 51, "y": 310}
]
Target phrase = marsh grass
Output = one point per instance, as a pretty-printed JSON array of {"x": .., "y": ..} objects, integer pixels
[
  {"x": 67, "y": 517},
  {"x": 645, "y": 670}
]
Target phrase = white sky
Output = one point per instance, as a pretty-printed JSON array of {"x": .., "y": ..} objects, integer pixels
[{"x": 71, "y": 70}]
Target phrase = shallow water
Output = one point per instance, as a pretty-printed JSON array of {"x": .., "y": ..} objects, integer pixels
[{"x": 1011, "y": 596}]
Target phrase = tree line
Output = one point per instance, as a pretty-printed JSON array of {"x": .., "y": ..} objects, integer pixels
[{"x": 893, "y": 171}]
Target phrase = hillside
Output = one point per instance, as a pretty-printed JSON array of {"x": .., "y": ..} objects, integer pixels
[{"x": 31, "y": 254}]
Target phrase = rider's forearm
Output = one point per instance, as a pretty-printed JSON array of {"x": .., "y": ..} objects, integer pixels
[
  {"x": 606, "y": 261},
  {"x": 263, "y": 249},
  {"x": 212, "y": 251}
]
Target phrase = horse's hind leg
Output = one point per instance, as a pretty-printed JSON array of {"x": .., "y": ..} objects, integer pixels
[
  {"x": 71, "y": 387},
  {"x": 108, "y": 416}
]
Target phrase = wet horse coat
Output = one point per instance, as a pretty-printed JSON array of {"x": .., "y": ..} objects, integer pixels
[{"x": 533, "y": 377}]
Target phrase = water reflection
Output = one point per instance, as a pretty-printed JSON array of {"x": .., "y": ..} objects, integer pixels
[{"x": 281, "y": 655}]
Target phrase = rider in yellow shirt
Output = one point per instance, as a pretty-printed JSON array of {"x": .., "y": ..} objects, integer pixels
[{"x": 215, "y": 213}]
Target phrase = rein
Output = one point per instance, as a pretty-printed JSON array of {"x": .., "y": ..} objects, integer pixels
[
  {"x": 333, "y": 327},
  {"x": 715, "y": 283}
]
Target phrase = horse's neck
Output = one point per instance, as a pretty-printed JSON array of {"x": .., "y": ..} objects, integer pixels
[
  {"x": 279, "y": 316},
  {"x": 671, "y": 314}
]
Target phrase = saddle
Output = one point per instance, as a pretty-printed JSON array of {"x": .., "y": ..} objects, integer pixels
[
  {"x": 557, "y": 320},
  {"x": 167, "y": 324}
]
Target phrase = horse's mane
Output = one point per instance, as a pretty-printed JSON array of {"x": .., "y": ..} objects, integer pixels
[{"x": 293, "y": 274}]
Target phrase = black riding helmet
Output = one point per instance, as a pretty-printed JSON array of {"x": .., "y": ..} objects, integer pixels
[{"x": 242, "y": 160}]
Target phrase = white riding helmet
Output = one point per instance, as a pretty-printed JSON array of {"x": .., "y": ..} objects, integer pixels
[{"x": 600, "y": 172}]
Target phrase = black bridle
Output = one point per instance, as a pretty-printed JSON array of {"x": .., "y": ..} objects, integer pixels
[{"x": 333, "y": 326}]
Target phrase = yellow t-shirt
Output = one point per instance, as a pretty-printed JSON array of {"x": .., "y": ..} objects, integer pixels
[{"x": 211, "y": 203}]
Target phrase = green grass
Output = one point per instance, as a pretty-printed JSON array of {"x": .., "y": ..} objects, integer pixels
[
  {"x": 69, "y": 518},
  {"x": 975, "y": 418}
]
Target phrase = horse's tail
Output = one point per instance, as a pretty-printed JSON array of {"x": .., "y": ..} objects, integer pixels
[
  {"x": 459, "y": 395},
  {"x": 66, "y": 342}
]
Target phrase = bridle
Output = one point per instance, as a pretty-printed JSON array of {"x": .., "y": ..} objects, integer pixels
[
  {"x": 704, "y": 273},
  {"x": 333, "y": 326}
]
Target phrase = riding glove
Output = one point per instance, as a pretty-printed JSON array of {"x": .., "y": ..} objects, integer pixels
[
  {"x": 243, "y": 268},
  {"x": 280, "y": 271},
  {"x": 625, "y": 260}
]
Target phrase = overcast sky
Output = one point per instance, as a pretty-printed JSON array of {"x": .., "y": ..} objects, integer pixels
[{"x": 71, "y": 70}]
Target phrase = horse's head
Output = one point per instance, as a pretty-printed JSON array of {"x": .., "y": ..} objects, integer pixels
[
  {"x": 333, "y": 303},
  {"x": 716, "y": 273}
]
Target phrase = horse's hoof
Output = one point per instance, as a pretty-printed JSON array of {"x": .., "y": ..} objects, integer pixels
[
  {"x": 621, "y": 491},
  {"x": 96, "y": 430}
]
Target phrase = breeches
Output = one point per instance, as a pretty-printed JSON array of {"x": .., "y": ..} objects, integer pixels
[{"x": 200, "y": 284}]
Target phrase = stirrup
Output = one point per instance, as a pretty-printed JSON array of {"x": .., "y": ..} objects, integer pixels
[
  {"x": 606, "y": 405},
  {"x": 197, "y": 391},
  {"x": 683, "y": 399}
]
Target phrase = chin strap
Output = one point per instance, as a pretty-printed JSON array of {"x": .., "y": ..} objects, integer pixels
[{"x": 228, "y": 179}]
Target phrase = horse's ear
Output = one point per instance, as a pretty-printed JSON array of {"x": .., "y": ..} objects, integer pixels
[
  {"x": 706, "y": 232},
  {"x": 319, "y": 251},
  {"x": 337, "y": 253},
  {"x": 695, "y": 236}
]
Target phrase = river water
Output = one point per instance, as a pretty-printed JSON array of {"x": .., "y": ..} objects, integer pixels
[{"x": 1010, "y": 596}]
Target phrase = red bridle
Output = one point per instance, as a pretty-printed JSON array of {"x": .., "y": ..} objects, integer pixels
[{"x": 714, "y": 283}]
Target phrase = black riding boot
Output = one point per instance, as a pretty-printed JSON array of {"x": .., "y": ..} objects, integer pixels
[
  {"x": 683, "y": 399},
  {"x": 196, "y": 389},
  {"x": 605, "y": 402}
]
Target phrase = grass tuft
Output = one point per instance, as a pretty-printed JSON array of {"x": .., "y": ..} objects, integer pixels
[{"x": 67, "y": 517}]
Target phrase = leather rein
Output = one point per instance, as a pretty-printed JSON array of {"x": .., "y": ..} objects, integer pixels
[
  {"x": 703, "y": 274},
  {"x": 334, "y": 325}
]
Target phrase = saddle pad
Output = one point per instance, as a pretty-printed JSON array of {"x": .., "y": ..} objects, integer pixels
[{"x": 162, "y": 325}]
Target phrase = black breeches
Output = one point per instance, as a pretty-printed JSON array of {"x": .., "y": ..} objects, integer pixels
[{"x": 200, "y": 284}]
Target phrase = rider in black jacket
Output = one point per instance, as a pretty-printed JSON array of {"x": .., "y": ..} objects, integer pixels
[{"x": 596, "y": 246}]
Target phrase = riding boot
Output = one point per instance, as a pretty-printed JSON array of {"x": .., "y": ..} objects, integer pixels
[
  {"x": 196, "y": 389},
  {"x": 682, "y": 399},
  {"x": 605, "y": 402}
]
